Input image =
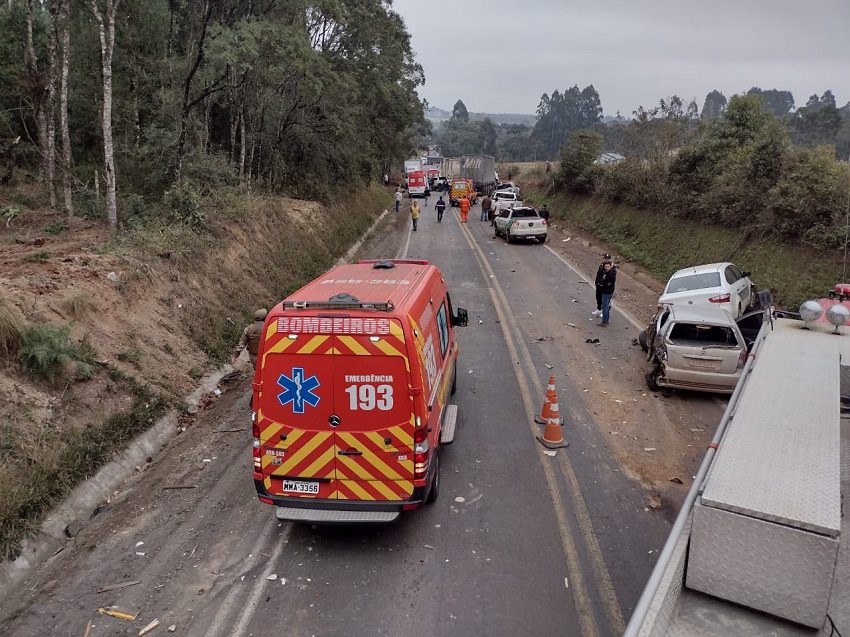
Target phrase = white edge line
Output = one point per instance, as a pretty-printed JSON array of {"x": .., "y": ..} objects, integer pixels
[{"x": 631, "y": 319}]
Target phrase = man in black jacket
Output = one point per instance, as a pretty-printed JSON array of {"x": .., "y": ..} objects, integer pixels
[
  {"x": 606, "y": 280},
  {"x": 599, "y": 271}
]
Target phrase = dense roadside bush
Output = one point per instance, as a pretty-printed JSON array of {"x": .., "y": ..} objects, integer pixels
[{"x": 736, "y": 171}]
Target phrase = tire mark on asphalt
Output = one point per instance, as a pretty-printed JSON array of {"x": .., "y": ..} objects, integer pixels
[{"x": 219, "y": 622}]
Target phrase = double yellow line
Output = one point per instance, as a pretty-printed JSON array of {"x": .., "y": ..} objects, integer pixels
[{"x": 530, "y": 386}]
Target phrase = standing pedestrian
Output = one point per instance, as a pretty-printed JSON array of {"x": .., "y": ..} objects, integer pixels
[
  {"x": 548, "y": 166},
  {"x": 464, "y": 209},
  {"x": 510, "y": 175},
  {"x": 485, "y": 208},
  {"x": 605, "y": 283},
  {"x": 427, "y": 196},
  {"x": 414, "y": 213},
  {"x": 250, "y": 338},
  {"x": 397, "y": 199},
  {"x": 544, "y": 212},
  {"x": 386, "y": 180},
  {"x": 440, "y": 207},
  {"x": 599, "y": 272}
]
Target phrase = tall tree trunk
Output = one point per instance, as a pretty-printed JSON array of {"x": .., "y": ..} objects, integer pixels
[
  {"x": 242, "y": 143},
  {"x": 67, "y": 176},
  {"x": 52, "y": 72},
  {"x": 107, "y": 43},
  {"x": 37, "y": 92}
]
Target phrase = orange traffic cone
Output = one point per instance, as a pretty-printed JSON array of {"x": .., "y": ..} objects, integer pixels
[
  {"x": 552, "y": 438},
  {"x": 546, "y": 410}
]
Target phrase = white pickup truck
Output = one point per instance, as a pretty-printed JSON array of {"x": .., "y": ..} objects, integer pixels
[
  {"x": 503, "y": 200},
  {"x": 520, "y": 223}
]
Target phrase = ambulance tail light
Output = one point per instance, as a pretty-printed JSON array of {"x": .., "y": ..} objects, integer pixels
[
  {"x": 255, "y": 432},
  {"x": 421, "y": 453}
]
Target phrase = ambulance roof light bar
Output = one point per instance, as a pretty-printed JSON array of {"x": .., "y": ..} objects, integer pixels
[{"x": 341, "y": 301}]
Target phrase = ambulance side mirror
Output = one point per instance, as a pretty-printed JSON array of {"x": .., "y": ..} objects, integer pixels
[{"x": 462, "y": 318}]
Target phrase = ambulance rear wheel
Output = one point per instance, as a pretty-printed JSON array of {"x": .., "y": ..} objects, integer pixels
[
  {"x": 454, "y": 381},
  {"x": 435, "y": 482}
]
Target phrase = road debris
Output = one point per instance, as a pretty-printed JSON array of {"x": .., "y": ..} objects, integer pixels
[
  {"x": 140, "y": 553},
  {"x": 120, "y": 614},
  {"x": 570, "y": 324},
  {"x": 87, "y": 632},
  {"x": 115, "y": 587},
  {"x": 676, "y": 480},
  {"x": 550, "y": 452},
  {"x": 179, "y": 486},
  {"x": 650, "y": 449},
  {"x": 149, "y": 627},
  {"x": 591, "y": 340},
  {"x": 428, "y": 546},
  {"x": 548, "y": 366},
  {"x": 460, "y": 498},
  {"x": 172, "y": 628},
  {"x": 272, "y": 577}
]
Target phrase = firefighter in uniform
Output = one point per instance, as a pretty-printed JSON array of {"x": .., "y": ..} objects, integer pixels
[{"x": 251, "y": 337}]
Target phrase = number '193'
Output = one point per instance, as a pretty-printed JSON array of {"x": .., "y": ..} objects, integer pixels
[{"x": 369, "y": 397}]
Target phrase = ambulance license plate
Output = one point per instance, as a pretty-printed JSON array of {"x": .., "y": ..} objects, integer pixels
[{"x": 295, "y": 486}]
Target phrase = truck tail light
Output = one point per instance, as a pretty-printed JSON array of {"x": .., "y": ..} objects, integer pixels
[
  {"x": 545, "y": 223},
  {"x": 720, "y": 298},
  {"x": 515, "y": 224},
  {"x": 255, "y": 432},
  {"x": 421, "y": 453},
  {"x": 742, "y": 359}
]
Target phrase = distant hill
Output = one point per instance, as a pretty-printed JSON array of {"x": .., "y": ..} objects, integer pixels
[{"x": 439, "y": 115}]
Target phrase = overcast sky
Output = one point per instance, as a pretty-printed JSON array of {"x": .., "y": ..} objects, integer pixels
[{"x": 500, "y": 56}]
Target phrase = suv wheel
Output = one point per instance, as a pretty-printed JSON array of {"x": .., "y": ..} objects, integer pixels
[
  {"x": 652, "y": 379},
  {"x": 642, "y": 340}
]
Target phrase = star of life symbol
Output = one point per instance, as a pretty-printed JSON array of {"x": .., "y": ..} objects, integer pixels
[{"x": 298, "y": 390}]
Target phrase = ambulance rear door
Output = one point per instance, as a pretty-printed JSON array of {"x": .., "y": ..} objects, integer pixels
[
  {"x": 373, "y": 403},
  {"x": 297, "y": 437}
]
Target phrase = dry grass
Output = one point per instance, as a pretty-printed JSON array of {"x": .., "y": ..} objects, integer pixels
[
  {"x": 11, "y": 329},
  {"x": 77, "y": 305},
  {"x": 40, "y": 464}
]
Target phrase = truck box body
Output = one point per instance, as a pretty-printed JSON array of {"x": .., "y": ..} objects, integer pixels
[
  {"x": 450, "y": 167},
  {"x": 481, "y": 169},
  {"x": 411, "y": 165},
  {"x": 351, "y": 391}
]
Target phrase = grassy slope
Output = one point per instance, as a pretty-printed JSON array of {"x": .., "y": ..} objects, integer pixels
[
  {"x": 663, "y": 244},
  {"x": 194, "y": 303}
]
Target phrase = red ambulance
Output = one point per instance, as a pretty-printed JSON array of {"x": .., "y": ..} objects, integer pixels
[
  {"x": 417, "y": 184},
  {"x": 350, "y": 394}
]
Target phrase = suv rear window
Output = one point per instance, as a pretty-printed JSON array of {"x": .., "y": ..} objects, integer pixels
[
  {"x": 691, "y": 282},
  {"x": 693, "y": 334},
  {"x": 524, "y": 214}
]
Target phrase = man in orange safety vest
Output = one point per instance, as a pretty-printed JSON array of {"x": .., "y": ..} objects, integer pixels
[{"x": 464, "y": 209}]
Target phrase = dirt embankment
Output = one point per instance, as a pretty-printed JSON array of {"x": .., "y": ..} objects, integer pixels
[{"x": 149, "y": 312}]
